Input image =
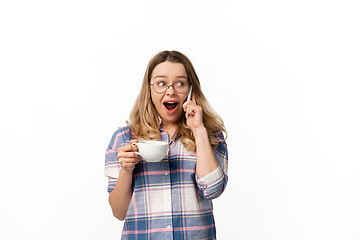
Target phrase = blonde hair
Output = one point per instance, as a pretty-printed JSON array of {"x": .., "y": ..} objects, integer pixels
[{"x": 144, "y": 121}]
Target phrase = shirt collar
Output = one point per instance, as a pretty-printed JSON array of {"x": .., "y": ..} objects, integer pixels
[{"x": 164, "y": 136}]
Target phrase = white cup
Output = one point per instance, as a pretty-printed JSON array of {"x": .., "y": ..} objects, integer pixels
[{"x": 152, "y": 151}]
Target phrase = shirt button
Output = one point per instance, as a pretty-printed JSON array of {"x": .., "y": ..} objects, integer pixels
[
  {"x": 166, "y": 173},
  {"x": 168, "y": 227}
]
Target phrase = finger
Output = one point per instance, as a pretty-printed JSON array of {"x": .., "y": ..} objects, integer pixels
[
  {"x": 188, "y": 102},
  {"x": 186, "y": 110},
  {"x": 130, "y": 160},
  {"x": 128, "y": 148},
  {"x": 187, "y": 115},
  {"x": 127, "y": 155},
  {"x": 132, "y": 146},
  {"x": 133, "y": 141},
  {"x": 188, "y": 105},
  {"x": 191, "y": 109},
  {"x": 123, "y": 161},
  {"x": 185, "y": 105},
  {"x": 193, "y": 97}
]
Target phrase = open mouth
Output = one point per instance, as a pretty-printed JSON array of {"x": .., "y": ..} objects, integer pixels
[{"x": 171, "y": 106}]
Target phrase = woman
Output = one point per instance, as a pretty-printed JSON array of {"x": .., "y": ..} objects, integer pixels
[{"x": 170, "y": 199}]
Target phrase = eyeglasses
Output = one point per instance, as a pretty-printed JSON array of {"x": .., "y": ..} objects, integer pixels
[{"x": 161, "y": 87}]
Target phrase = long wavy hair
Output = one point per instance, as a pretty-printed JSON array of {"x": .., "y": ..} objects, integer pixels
[{"x": 144, "y": 121}]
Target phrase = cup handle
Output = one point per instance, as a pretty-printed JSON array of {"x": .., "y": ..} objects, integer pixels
[{"x": 137, "y": 147}]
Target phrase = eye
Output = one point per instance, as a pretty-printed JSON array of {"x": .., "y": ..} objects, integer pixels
[
  {"x": 180, "y": 84},
  {"x": 161, "y": 83}
]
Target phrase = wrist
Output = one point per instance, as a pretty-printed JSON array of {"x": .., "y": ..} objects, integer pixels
[
  {"x": 200, "y": 131},
  {"x": 126, "y": 171}
]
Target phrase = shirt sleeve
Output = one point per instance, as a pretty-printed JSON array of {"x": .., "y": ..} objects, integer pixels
[
  {"x": 112, "y": 167},
  {"x": 213, "y": 185}
]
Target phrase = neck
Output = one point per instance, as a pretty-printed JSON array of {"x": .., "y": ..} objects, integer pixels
[{"x": 170, "y": 128}]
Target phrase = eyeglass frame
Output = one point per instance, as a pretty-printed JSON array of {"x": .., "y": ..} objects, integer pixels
[{"x": 167, "y": 87}]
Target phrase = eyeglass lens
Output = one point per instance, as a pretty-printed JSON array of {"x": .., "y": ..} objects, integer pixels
[{"x": 179, "y": 86}]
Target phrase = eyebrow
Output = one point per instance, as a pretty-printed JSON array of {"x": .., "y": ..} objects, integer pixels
[{"x": 162, "y": 76}]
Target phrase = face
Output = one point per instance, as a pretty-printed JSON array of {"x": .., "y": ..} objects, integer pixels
[{"x": 169, "y": 104}]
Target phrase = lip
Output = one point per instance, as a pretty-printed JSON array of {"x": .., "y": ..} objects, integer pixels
[{"x": 172, "y": 110}]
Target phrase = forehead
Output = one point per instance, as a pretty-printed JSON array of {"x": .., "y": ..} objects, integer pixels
[{"x": 168, "y": 70}]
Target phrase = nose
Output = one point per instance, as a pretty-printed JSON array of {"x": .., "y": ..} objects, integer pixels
[{"x": 170, "y": 90}]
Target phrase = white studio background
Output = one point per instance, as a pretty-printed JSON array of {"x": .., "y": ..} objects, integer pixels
[{"x": 283, "y": 75}]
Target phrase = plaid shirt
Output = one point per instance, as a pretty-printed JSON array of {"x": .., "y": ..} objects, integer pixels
[{"x": 169, "y": 201}]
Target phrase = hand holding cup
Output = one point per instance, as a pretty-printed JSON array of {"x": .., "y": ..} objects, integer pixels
[{"x": 128, "y": 157}]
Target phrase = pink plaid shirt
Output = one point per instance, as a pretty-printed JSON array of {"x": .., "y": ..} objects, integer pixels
[{"x": 169, "y": 201}]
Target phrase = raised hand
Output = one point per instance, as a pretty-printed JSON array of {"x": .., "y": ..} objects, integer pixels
[{"x": 193, "y": 113}]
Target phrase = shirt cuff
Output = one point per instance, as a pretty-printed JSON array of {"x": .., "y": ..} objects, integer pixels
[
  {"x": 112, "y": 172},
  {"x": 210, "y": 179}
]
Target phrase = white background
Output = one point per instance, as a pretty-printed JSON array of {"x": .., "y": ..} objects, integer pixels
[{"x": 283, "y": 75}]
